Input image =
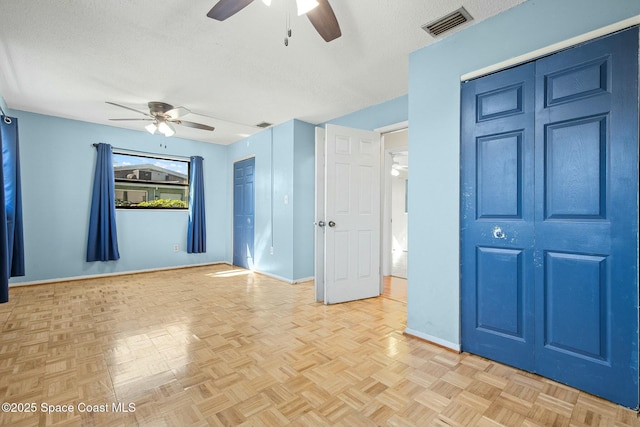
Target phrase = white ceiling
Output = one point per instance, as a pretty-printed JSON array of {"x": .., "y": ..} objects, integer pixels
[{"x": 67, "y": 57}]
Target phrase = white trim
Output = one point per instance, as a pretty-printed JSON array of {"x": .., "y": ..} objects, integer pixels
[
  {"x": 629, "y": 22},
  {"x": 302, "y": 280},
  {"x": 240, "y": 159},
  {"x": 431, "y": 338},
  {"x": 119, "y": 273},
  {"x": 319, "y": 232},
  {"x": 149, "y": 155},
  {"x": 283, "y": 279},
  {"x": 394, "y": 127}
]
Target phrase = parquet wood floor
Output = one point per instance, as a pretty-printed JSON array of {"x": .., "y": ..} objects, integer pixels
[
  {"x": 219, "y": 346},
  {"x": 395, "y": 288}
]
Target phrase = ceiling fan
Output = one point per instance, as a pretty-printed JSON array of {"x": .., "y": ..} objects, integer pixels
[
  {"x": 162, "y": 116},
  {"x": 319, "y": 13}
]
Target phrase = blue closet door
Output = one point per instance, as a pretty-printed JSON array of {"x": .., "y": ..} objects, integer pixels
[
  {"x": 243, "y": 212},
  {"x": 586, "y": 219},
  {"x": 549, "y": 217},
  {"x": 497, "y": 210}
]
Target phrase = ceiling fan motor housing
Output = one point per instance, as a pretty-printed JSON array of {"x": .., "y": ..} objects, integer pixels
[{"x": 159, "y": 108}]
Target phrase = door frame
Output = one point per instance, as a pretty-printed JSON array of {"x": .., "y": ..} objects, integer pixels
[
  {"x": 233, "y": 164},
  {"x": 385, "y": 208},
  {"x": 319, "y": 232}
]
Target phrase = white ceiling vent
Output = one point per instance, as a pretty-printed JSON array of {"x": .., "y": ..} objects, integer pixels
[{"x": 446, "y": 23}]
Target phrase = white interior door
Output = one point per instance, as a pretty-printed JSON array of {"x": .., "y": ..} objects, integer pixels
[
  {"x": 352, "y": 214},
  {"x": 319, "y": 215}
]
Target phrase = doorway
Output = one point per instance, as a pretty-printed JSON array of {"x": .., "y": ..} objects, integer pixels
[
  {"x": 395, "y": 214},
  {"x": 348, "y": 214},
  {"x": 374, "y": 171},
  {"x": 243, "y": 212}
]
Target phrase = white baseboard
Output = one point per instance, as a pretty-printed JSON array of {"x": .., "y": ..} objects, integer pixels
[
  {"x": 435, "y": 340},
  {"x": 284, "y": 279},
  {"x": 119, "y": 273}
]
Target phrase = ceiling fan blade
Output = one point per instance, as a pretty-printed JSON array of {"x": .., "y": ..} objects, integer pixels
[
  {"x": 177, "y": 112},
  {"x": 324, "y": 21},
  {"x": 128, "y": 108},
  {"x": 193, "y": 125},
  {"x": 226, "y": 8},
  {"x": 124, "y": 120}
]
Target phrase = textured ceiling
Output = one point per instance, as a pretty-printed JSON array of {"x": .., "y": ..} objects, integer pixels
[{"x": 67, "y": 57}]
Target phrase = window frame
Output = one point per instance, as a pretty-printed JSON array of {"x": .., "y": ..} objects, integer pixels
[{"x": 159, "y": 185}]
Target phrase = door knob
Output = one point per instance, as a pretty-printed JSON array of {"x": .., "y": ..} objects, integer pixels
[
  {"x": 332, "y": 224},
  {"x": 321, "y": 223},
  {"x": 498, "y": 233}
]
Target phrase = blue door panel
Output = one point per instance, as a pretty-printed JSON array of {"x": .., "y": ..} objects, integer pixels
[
  {"x": 575, "y": 168},
  {"x": 549, "y": 217},
  {"x": 586, "y": 227},
  {"x": 578, "y": 81},
  {"x": 243, "y": 213},
  {"x": 576, "y": 289},
  {"x": 498, "y": 271},
  {"x": 499, "y": 166},
  {"x": 497, "y": 208},
  {"x": 501, "y": 102}
]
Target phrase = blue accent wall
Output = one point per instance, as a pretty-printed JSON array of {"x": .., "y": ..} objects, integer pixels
[
  {"x": 258, "y": 146},
  {"x": 57, "y": 163},
  {"x": 303, "y": 199},
  {"x": 434, "y": 139},
  {"x": 376, "y": 116},
  {"x": 284, "y": 212}
]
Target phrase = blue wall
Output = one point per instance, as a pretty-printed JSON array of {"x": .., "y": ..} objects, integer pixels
[
  {"x": 303, "y": 200},
  {"x": 376, "y": 116},
  {"x": 434, "y": 117},
  {"x": 57, "y": 165},
  {"x": 283, "y": 213}
]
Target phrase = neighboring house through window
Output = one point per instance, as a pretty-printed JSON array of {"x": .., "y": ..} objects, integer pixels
[{"x": 143, "y": 181}]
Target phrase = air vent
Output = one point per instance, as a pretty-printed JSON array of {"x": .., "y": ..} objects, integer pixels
[
  {"x": 447, "y": 23},
  {"x": 264, "y": 125}
]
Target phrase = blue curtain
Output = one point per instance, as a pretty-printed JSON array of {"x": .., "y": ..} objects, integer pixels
[
  {"x": 197, "y": 231},
  {"x": 11, "y": 238},
  {"x": 102, "y": 244}
]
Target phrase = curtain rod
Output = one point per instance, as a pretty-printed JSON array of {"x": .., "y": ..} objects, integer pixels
[
  {"x": 167, "y": 156},
  {"x": 7, "y": 119}
]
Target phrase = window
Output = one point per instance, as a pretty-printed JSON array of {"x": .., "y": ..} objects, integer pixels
[{"x": 144, "y": 181}]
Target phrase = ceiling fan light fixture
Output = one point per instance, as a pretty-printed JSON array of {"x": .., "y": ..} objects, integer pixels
[
  {"x": 305, "y": 6},
  {"x": 166, "y": 129},
  {"x": 151, "y": 128}
]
